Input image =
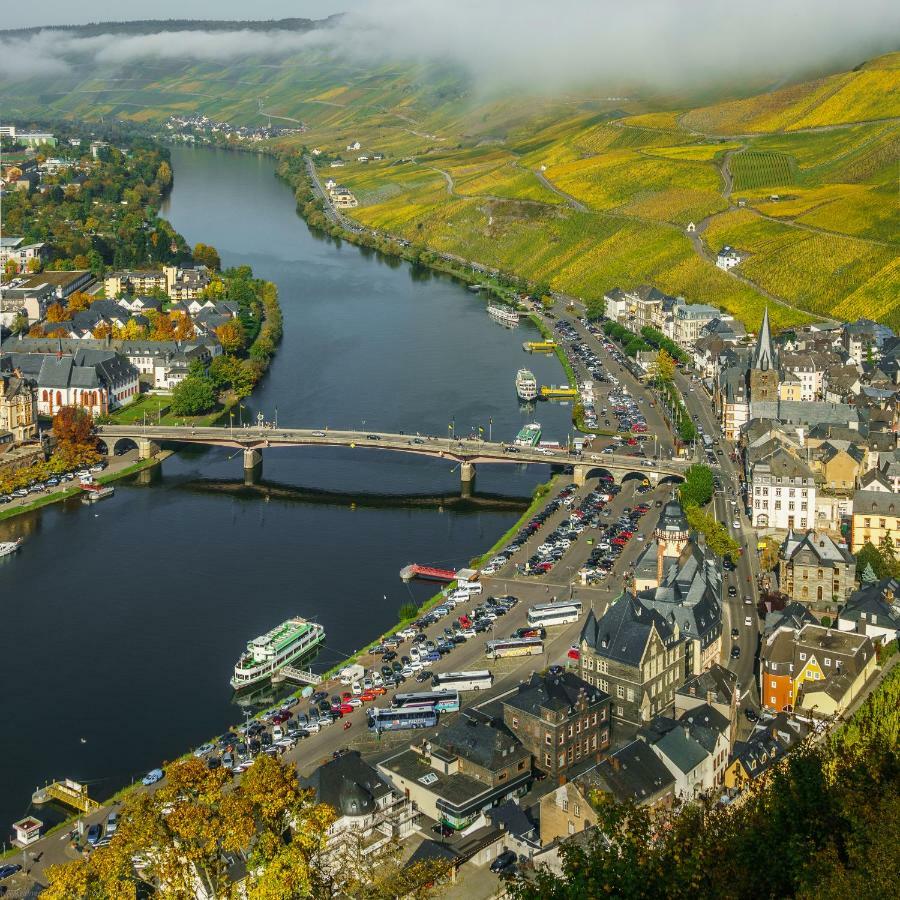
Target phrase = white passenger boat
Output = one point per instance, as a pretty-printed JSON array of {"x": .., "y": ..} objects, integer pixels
[
  {"x": 277, "y": 648},
  {"x": 504, "y": 315},
  {"x": 7, "y": 548},
  {"x": 526, "y": 385}
]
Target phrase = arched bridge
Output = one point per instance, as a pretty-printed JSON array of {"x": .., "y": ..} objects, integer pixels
[{"x": 468, "y": 452}]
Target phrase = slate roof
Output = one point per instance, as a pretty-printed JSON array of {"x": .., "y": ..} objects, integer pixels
[
  {"x": 348, "y": 784},
  {"x": 770, "y": 740},
  {"x": 556, "y": 693},
  {"x": 485, "y": 744},
  {"x": 876, "y": 604},
  {"x": 634, "y": 773},
  {"x": 794, "y": 616},
  {"x": 679, "y": 746},
  {"x": 876, "y": 503},
  {"x": 716, "y": 684},
  {"x": 510, "y": 817},
  {"x": 803, "y": 413},
  {"x": 825, "y": 550},
  {"x": 689, "y": 594},
  {"x": 624, "y": 630}
]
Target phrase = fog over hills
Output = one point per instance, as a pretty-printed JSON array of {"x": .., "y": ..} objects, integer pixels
[{"x": 651, "y": 43}]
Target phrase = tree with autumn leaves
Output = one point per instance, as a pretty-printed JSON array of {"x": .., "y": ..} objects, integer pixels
[
  {"x": 179, "y": 834},
  {"x": 76, "y": 442}
]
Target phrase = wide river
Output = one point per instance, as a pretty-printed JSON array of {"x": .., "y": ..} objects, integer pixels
[{"x": 121, "y": 622}]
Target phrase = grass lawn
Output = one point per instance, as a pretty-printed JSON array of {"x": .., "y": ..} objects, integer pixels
[{"x": 151, "y": 405}]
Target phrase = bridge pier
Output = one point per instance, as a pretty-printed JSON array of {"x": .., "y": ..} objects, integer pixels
[
  {"x": 467, "y": 472},
  {"x": 252, "y": 465},
  {"x": 579, "y": 474},
  {"x": 147, "y": 449}
]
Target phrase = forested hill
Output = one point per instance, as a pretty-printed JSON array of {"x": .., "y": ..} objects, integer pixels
[{"x": 155, "y": 26}]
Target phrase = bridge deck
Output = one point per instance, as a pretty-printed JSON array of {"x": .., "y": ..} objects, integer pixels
[{"x": 464, "y": 450}]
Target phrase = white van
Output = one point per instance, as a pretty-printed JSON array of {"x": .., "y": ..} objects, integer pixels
[{"x": 471, "y": 587}]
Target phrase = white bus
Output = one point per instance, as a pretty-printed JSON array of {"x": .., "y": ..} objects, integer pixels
[
  {"x": 545, "y": 614},
  {"x": 443, "y": 701},
  {"x": 532, "y": 646},
  {"x": 462, "y": 681}
]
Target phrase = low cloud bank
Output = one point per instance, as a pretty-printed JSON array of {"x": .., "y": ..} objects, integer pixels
[{"x": 539, "y": 45}]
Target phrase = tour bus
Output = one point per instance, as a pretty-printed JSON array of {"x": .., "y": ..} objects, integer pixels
[
  {"x": 530, "y": 646},
  {"x": 462, "y": 681},
  {"x": 422, "y": 715},
  {"x": 443, "y": 701},
  {"x": 554, "y": 613}
]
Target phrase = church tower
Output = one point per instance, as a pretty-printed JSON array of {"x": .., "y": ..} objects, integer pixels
[{"x": 763, "y": 369}]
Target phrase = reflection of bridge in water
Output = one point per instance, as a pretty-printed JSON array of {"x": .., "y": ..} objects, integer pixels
[
  {"x": 467, "y": 452},
  {"x": 465, "y": 501}
]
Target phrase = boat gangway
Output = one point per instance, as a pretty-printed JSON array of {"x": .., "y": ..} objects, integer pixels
[
  {"x": 304, "y": 676},
  {"x": 430, "y": 573},
  {"x": 69, "y": 792},
  {"x": 539, "y": 346},
  {"x": 550, "y": 391}
]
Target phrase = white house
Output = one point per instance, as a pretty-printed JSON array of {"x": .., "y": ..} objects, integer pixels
[
  {"x": 783, "y": 492},
  {"x": 728, "y": 258},
  {"x": 694, "y": 748},
  {"x": 356, "y": 145}
]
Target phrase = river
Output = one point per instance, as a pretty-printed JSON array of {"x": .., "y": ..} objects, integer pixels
[{"x": 121, "y": 622}]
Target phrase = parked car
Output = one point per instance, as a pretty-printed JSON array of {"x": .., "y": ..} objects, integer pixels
[
  {"x": 503, "y": 861},
  {"x": 152, "y": 777}
]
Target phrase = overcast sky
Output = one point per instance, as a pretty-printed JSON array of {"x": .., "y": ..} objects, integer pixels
[{"x": 65, "y": 12}]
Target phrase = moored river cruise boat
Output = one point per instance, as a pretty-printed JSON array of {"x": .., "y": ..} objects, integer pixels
[{"x": 275, "y": 649}]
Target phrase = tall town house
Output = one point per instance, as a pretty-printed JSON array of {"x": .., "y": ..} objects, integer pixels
[
  {"x": 18, "y": 407},
  {"x": 636, "y": 656},
  {"x": 561, "y": 719}
]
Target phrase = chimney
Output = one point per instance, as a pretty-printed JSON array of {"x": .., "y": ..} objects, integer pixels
[{"x": 660, "y": 555}]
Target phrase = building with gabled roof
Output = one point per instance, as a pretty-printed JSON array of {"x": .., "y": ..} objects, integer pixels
[
  {"x": 635, "y": 655},
  {"x": 370, "y": 812},
  {"x": 561, "y": 719},
  {"x": 694, "y": 748},
  {"x": 818, "y": 670},
  {"x": 772, "y": 738},
  {"x": 873, "y": 610},
  {"x": 461, "y": 770},
  {"x": 633, "y": 774},
  {"x": 816, "y": 569}
]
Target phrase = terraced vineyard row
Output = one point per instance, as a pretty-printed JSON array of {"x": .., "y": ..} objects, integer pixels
[{"x": 756, "y": 169}]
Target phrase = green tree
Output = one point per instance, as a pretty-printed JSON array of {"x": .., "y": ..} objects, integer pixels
[
  {"x": 719, "y": 541},
  {"x": 408, "y": 611},
  {"x": 697, "y": 489},
  {"x": 889, "y": 556},
  {"x": 686, "y": 430},
  {"x": 869, "y": 557},
  {"x": 193, "y": 396}
]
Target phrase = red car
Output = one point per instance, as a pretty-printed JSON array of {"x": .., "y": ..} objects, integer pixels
[
  {"x": 346, "y": 708},
  {"x": 631, "y": 442},
  {"x": 366, "y": 697},
  {"x": 465, "y": 621},
  {"x": 619, "y": 542}
]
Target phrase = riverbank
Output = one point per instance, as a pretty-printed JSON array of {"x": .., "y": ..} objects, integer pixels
[{"x": 72, "y": 490}]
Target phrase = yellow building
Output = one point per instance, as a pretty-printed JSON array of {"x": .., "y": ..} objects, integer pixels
[
  {"x": 18, "y": 407},
  {"x": 830, "y": 669},
  {"x": 875, "y": 516}
]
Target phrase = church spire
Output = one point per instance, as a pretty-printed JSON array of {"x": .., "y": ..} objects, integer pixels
[{"x": 763, "y": 358}]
